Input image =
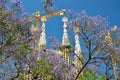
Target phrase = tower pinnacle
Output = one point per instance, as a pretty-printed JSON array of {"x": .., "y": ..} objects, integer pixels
[
  {"x": 42, "y": 40},
  {"x": 66, "y": 48},
  {"x": 65, "y": 39},
  {"x": 77, "y": 50}
]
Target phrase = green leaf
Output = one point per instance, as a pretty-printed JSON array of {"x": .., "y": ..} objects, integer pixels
[
  {"x": 21, "y": 76},
  {"x": 101, "y": 78},
  {"x": 1, "y": 52}
]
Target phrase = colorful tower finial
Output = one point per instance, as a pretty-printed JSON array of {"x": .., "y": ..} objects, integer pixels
[{"x": 65, "y": 39}]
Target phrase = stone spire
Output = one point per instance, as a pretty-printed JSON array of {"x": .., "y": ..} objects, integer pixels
[
  {"x": 28, "y": 75},
  {"x": 113, "y": 59},
  {"x": 65, "y": 39},
  {"x": 66, "y": 48},
  {"x": 42, "y": 40},
  {"x": 77, "y": 50},
  {"x": 35, "y": 31}
]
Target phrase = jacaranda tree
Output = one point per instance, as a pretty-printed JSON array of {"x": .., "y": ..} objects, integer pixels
[
  {"x": 14, "y": 36},
  {"x": 93, "y": 33},
  {"x": 19, "y": 58}
]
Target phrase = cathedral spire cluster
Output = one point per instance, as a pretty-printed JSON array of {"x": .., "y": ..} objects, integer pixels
[
  {"x": 66, "y": 46},
  {"x": 66, "y": 49}
]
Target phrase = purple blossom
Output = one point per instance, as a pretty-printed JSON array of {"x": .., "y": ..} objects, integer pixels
[
  {"x": 13, "y": 1},
  {"x": 54, "y": 42},
  {"x": 48, "y": 6},
  {"x": 59, "y": 66},
  {"x": 16, "y": 6},
  {"x": 50, "y": 9},
  {"x": 47, "y": 1}
]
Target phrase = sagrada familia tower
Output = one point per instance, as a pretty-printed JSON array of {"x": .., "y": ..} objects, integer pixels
[{"x": 66, "y": 51}]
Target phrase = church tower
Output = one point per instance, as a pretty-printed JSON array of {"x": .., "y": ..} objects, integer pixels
[
  {"x": 77, "y": 50},
  {"x": 113, "y": 59},
  {"x": 66, "y": 48},
  {"x": 35, "y": 32},
  {"x": 42, "y": 40}
]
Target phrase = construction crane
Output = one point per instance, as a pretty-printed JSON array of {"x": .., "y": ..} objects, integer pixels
[
  {"x": 38, "y": 18},
  {"x": 112, "y": 56}
]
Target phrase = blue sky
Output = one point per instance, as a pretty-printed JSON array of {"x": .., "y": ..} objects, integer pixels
[{"x": 105, "y": 8}]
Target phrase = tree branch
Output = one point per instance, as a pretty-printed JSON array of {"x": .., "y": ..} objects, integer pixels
[
  {"x": 83, "y": 68},
  {"x": 79, "y": 58},
  {"x": 6, "y": 57}
]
